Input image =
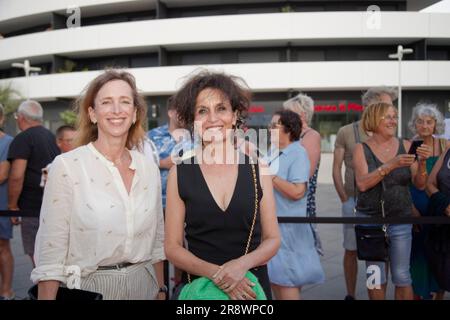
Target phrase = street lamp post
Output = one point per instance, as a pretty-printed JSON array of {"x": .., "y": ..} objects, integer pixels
[
  {"x": 27, "y": 68},
  {"x": 399, "y": 55}
]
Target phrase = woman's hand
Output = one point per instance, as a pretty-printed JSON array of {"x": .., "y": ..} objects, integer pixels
[
  {"x": 15, "y": 220},
  {"x": 161, "y": 296},
  {"x": 230, "y": 275},
  {"x": 424, "y": 152},
  {"x": 402, "y": 160},
  {"x": 243, "y": 291}
]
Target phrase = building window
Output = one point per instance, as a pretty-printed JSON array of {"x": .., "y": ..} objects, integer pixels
[
  {"x": 310, "y": 55},
  {"x": 197, "y": 13},
  {"x": 121, "y": 17},
  {"x": 329, "y": 116},
  {"x": 143, "y": 61},
  {"x": 438, "y": 53},
  {"x": 374, "y": 54},
  {"x": 258, "y": 10},
  {"x": 34, "y": 29},
  {"x": 195, "y": 58},
  {"x": 254, "y": 56}
]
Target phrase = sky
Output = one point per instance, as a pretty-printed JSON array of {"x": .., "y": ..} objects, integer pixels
[{"x": 441, "y": 6}]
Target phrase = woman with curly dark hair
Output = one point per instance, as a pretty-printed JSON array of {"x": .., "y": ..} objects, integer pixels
[
  {"x": 217, "y": 197},
  {"x": 232, "y": 87}
]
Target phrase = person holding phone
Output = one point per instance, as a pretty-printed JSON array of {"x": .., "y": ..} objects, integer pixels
[
  {"x": 414, "y": 145},
  {"x": 426, "y": 121},
  {"x": 383, "y": 157}
]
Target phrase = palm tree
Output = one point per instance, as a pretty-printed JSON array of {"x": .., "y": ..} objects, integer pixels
[
  {"x": 9, "y": 98},
  {"x": 69, "y": 117}
]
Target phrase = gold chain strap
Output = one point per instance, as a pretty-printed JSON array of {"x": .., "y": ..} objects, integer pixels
[
  {"x": 255, "y": 183},
  {"x": 256, "y": 209}
]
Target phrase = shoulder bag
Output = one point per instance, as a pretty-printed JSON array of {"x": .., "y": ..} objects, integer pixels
[{"x": 372, "y": 241}]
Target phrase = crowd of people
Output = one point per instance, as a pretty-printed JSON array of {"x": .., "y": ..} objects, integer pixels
[
  {"x": 379, "y": 166},
  {"x": 113, "y": 205}
]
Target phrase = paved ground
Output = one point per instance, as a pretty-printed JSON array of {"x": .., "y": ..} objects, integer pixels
[
  {"x": 328, "y": 204},
  {"x": 331, "y": 235}
]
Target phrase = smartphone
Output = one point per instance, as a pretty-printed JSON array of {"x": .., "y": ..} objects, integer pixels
[{"x": 414, "y": 145}]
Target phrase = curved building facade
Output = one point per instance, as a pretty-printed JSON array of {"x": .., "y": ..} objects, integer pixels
[{"x": 332, "y": 50}]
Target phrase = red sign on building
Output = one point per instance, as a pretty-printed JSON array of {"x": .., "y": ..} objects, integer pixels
[
  {"x": 342, "y": 107},
  {"x": 256, "y": 109}
]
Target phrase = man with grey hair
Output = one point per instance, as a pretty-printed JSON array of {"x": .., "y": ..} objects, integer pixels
[
  {"x": 30, "y": 151},
  {"x": 379, "y": 94},
  {"x": 346, "y": 139}
]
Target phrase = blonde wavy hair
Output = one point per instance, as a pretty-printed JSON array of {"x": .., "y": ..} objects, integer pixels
[
  {"x": 87, "y": 131},
  {"x": 373, "y": 114}
]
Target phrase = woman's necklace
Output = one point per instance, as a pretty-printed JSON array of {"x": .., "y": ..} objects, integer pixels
[
  {"x": 123, "y": 159},
  {"x": 385, "y": 149},
  {"x": 125, "y": 156},
  {"x": 118, "y": 162}
]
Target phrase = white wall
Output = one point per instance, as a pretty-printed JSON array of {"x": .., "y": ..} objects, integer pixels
[
  {"x": 265, "y": 77},
  {"x": 11, "y": 9},
  {"x": 234, "y": 30}
]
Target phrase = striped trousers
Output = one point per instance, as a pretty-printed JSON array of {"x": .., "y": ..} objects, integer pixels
[{"x": 136, "y": 282}]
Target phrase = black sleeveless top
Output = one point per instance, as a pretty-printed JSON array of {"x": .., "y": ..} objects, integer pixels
[
  {"x": 397, "y": 198},
  {"x": 443, "y": 175},
  {"x": 215, "y": 235}
]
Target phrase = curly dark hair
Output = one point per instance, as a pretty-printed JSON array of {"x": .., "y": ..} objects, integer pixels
[
  {"x": 234, "y": 88},
  {"x": 292, "y": 123}
]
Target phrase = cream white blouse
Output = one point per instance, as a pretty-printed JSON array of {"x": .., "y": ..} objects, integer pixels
[{"x": 88, "y": 219}]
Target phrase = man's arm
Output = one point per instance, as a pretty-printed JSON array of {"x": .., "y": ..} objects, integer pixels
[
  {"x": 338, "y": 159},
  {"x": 15, "y": 183}
]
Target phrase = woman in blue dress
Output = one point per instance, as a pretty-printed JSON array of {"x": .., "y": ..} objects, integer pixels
[
  {"x": 425, "y": 122},
  {"x": 297, "y": 262},
  {"x": 310, "y": 139}
]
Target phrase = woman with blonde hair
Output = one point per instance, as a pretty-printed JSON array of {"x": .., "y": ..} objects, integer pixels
[
  {"x": 101, "y": 219},
  {"x": 383, "y": 171}
]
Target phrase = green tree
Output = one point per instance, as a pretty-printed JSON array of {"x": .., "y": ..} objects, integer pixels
[
  {"x": 9, "y": 98},
  {"x": 287, "y": 8},
  {"x": 69, "y": 66},
  {"x": 69, "y": 117}
]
